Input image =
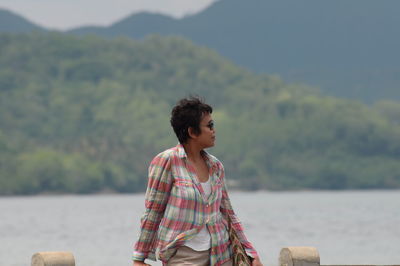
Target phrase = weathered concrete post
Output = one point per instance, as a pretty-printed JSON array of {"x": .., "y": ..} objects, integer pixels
[
  {"x": 299, "y": 256},
  {"x": 53, "y": 259}
]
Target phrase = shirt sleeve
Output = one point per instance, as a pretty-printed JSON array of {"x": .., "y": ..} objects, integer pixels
[
  {"x": 156, "y": 199},
  {"x": 226, "y": 209}
]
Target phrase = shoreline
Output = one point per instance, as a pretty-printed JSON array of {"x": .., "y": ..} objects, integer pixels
[{"x": 231, "y": 191}]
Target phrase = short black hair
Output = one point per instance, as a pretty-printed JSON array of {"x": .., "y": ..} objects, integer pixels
[{"x": 188, "y": 112}]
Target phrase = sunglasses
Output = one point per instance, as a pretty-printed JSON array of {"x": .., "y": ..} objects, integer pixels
[{"x": 210, "y": 125}]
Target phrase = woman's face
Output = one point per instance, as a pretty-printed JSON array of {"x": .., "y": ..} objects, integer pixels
[{"x": 206, "y": 138}]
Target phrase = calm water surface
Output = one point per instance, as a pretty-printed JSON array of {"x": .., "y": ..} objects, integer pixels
[{"x": 352, "y": 227}]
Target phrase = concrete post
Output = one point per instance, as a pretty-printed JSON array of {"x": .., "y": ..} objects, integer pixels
[
  {"x": 299, "y": 256},
  {"x": 53, "y": 259}
]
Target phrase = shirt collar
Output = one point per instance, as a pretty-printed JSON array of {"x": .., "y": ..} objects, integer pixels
[
  {"x": 181, "y": 151},
  {"x": 209, "y": 160}
]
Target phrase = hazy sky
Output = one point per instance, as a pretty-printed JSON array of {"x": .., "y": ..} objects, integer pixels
[{"x": 66, "y": 14}]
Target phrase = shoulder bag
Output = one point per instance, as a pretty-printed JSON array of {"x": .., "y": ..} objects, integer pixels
[{"x": 239, "y": 257}]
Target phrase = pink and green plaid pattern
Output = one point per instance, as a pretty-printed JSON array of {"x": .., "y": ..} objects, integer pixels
[{"x": 176, "y": 209}]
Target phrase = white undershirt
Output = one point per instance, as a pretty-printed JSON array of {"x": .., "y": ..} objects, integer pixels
[{"x": 202, "y": 241}]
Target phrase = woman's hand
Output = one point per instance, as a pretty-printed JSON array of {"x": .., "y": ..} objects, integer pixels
[
  {"x": 140, "y": 263},
  {"x": 256, "y": 262}
]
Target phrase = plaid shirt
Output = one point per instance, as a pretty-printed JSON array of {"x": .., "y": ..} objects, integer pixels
[{"x": 177, "y": 209}]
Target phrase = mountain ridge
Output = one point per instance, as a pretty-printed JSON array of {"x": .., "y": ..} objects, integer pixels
[
  {"x": 347, "y": 48},
  {"x": 13, "y": 23}
]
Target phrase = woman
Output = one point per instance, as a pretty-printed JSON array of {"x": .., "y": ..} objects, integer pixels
[{"x": 185, "y": 222}]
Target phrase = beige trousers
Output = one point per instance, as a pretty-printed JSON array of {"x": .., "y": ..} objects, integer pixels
[{"x": 186, "y": 256}]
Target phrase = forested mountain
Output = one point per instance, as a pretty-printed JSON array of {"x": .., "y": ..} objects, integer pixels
[
  {"x": 348, "y": 48},
  {"x": 84, "y": 114},
  {"x": 13, "y": 23}
]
